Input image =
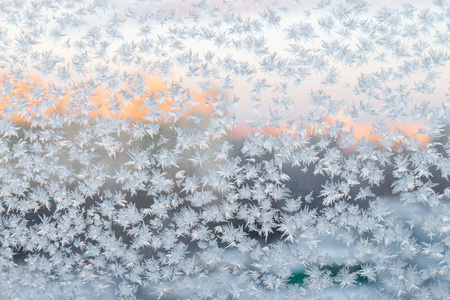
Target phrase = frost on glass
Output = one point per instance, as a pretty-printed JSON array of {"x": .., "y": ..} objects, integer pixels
[{"x": 224, "y": 149}]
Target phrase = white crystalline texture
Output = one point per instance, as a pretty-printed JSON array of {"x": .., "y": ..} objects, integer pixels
[{"x": 224, "y": 149}]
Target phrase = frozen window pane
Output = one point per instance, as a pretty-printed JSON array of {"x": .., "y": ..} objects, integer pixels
[{"x": 224, "y": 149}]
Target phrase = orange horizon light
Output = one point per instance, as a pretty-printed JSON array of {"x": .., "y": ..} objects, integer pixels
[
  {"x": 154, "y": 85},
  {"x": 101, "y": 98}
]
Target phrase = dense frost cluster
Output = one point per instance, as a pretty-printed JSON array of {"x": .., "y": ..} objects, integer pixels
[{"x": 224, "y": 149}]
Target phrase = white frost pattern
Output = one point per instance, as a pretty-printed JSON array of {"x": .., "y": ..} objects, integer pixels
[{"x": 224, "y": 149}]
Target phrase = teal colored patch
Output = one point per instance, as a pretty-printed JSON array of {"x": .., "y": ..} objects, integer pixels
[{"x": 298, "y": 277}]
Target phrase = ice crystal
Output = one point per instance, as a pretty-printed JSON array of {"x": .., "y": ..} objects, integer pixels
[{"x": 224, "y": 149}]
